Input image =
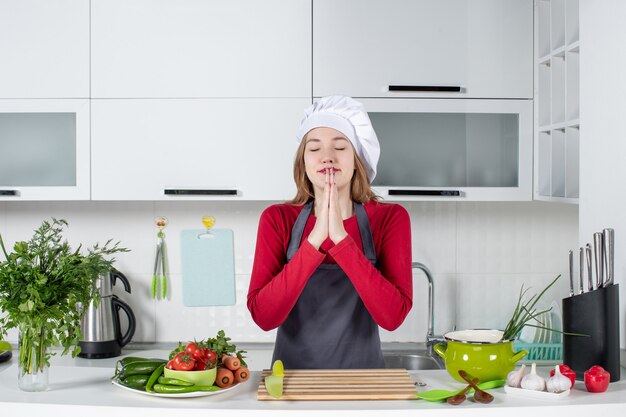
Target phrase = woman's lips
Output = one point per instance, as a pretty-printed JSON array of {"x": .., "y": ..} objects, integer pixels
[{"x": 323, "y": 170}]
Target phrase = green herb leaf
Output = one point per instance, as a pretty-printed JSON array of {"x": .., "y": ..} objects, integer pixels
[
  {"x": 41, "y": 282},
  {"x": 525, "y": 311}
]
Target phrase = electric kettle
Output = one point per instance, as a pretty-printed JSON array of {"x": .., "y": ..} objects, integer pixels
[{"x": 100, "y": 325}]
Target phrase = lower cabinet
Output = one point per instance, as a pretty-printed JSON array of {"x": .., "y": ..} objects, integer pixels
[{"x": 194, "y": 149}]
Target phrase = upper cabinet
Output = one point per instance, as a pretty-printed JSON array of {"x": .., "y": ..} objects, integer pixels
[
  {"x": 200, "y": 49},
  {"x": 453, "y": 149},
  {"x": 44, "y": 48},
  {"x": 44, "y": 149},
  {"x": 189, "y": 149},
  {"x": 423, "y": 48}
]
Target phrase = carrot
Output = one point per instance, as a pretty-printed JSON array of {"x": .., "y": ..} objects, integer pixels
[
  {"x": 225, "y": 377},
  {"x": 242, "y": 374},
  {"x": 231, "y": 362}
]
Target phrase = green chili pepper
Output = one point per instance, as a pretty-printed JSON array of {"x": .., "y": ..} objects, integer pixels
[
  {"x": 135, "y": 381},
  {"x": 177, "y": 389},
  {"x": 173, "y": 381},
  {"x": 140, "y": 368},
  {"x": 153, "y": 378},
  {"x": 119, "y": 365}
]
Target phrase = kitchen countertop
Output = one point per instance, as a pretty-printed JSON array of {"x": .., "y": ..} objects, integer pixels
[{"x": 82, "y": 387}]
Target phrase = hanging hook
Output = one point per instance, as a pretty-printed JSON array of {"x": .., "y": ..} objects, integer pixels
[
  {"x": 161, "y": 223},
  {"x": 208, "y": 222}
]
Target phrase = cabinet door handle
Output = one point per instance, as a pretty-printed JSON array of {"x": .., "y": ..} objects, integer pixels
[
  {"x": 9, "y": 193},
  {"x": 439, "y": 193},
  {"x": 185, "y": 192},
  {"x": 427, "y": 88}
]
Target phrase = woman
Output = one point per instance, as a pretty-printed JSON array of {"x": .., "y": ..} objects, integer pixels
[{"x": 332, "y": 264}]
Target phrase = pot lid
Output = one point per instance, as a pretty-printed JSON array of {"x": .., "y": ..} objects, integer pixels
[{"x": 485, "y": 336}]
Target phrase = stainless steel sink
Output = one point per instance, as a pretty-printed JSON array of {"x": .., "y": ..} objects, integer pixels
[{"x": 410, "y": 361}]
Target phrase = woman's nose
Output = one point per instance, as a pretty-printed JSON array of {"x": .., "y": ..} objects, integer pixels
[{"x": 328, "y": 156}]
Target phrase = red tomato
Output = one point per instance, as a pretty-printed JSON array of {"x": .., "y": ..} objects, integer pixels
[
  {"x": 207, "y": 359},
  {"x": 201, "y": 366},
  {"x": 170, "y": 364},
  {"x": 566, "y": 371},
  {"x": 597, "y": 379},
  {"x": 183, "y": 362},
  {"x": 210, "y": 356},
  {"x": 200, "y": 353},
  {"x": 191, "y": 349}
]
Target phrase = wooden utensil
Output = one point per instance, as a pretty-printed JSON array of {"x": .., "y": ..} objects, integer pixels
[
  {"x": 460, "y": 397},
  {"x": 438, "y": 395},
  {"x": 479, "y": 395}
]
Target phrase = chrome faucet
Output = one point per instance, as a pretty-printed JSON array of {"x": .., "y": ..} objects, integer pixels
[{"x": 431, "y": 339}]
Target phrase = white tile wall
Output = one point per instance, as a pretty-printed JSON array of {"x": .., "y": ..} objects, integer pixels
[{"x": 479, "y": 253}]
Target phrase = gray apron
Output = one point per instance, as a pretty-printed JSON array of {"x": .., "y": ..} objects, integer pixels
[{"x": 329, "y": 327}]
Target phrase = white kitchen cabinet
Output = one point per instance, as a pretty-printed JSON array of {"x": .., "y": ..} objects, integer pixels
[
  {"x": 423, "y": 48},
  {"x": 453, "y": 150},
  {"x": 200, "y": 48},
  {"x": 194, "y": 149},
  {"x": 44, "y": 149},
  {"x": 557, "y": 103},
  {"x": 44, "y": 48}
]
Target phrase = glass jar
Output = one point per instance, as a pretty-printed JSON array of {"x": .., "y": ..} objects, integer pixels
[{"x": 32, "y": 363}]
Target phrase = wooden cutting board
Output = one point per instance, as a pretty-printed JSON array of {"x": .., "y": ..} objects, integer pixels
[{"x": 342, "y": 384}]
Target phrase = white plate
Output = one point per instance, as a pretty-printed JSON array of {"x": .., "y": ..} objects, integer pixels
[
  {"x": 183, "y": 395},
  {"x": 538, "y": 331},
  {"x": 528, "y": 334},
  {"x": 547, "y": 322},
  {"x": 543, "y": 395},
  {"x": 541, "y": 334},
  {"x": 556, "y": 322}
]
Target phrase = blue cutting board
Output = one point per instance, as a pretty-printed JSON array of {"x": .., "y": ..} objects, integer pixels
[{"x": 208, "y": 268}]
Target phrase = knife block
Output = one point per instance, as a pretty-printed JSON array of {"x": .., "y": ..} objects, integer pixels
[{"x": 596, "y": 314}]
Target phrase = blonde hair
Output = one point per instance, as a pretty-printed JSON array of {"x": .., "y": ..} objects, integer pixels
[{"x": 360, "y": 189}]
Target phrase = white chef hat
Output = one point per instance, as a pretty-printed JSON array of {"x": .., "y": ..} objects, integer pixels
[{"x": 349, "y": 117}]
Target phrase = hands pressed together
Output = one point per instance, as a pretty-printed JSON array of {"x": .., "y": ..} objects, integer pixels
[{"x": 329, "y": 223}]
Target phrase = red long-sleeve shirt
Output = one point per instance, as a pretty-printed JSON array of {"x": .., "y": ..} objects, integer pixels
[{"x": 386, "y": 290}]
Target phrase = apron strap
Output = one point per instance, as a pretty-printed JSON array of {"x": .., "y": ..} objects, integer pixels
[
  {"x": 298, "y": 230},
  {"x": 364, "y": 229},
  {"x": 366, "y": 232}
]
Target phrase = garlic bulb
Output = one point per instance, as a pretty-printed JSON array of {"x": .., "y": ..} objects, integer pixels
[
  {"x": 558, "y": 382},
  {"x": 514, "y": 378},
  {"x": 533, "y": 381}
]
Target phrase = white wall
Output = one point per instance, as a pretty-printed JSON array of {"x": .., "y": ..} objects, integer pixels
[
  {"x": 480, "y": 254},
  {"x": 602, "y": 137}
]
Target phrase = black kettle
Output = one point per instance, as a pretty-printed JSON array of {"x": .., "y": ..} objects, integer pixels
[{"x": 100, "y": 325}]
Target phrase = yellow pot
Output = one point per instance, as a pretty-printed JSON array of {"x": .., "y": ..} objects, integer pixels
[{"x": 480, "y": 353}]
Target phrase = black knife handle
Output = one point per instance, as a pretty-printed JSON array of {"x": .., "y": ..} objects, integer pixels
[{"x": 9, "y": 193}]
